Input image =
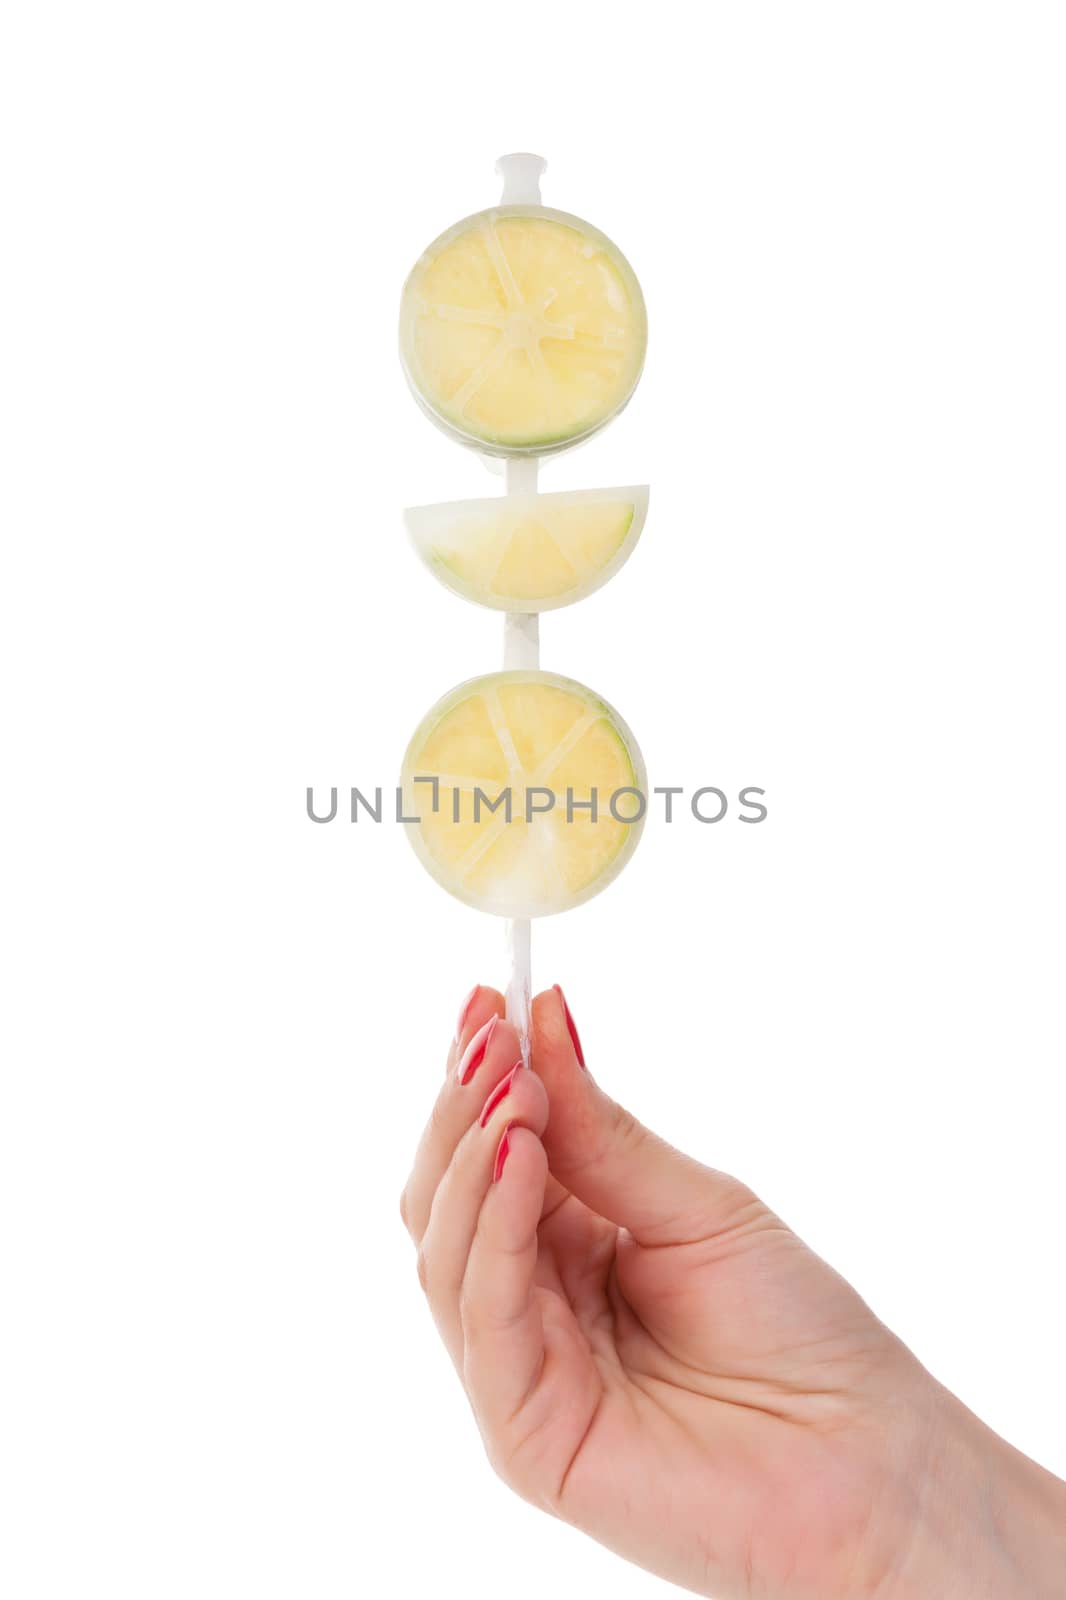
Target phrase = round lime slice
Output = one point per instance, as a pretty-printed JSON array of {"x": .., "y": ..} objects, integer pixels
[
  {"x": 530, "y": 793},
  {"x": 522, "y": 330}
]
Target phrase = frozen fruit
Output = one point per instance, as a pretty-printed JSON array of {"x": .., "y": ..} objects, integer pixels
[
  {"x": 553, "y": 747},
  {"x": 522, "y": 330}
]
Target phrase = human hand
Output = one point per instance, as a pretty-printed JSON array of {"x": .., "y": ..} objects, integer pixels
[{"x": 653, "y": 1356}]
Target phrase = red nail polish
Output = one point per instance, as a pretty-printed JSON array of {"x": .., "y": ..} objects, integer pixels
[
  {"x": 501, "y": 1091},
  {"x": 502, "y": 1152},
  {"x": 574, "y": 1038},
  {"x": 464, "y": 1011},
  {"x": 474, "y": 1054}
]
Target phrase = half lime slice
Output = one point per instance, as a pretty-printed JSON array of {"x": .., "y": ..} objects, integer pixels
[{"x": 529, "y": 552}]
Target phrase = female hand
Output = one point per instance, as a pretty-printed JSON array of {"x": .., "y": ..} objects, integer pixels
[{"x": 652, "y": 1355}]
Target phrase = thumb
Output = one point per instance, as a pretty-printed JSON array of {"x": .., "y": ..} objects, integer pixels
[{"x": 610, "y": 1161}]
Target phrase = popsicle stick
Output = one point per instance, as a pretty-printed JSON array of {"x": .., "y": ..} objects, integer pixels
[
  {"x": 520, "y": 989},
  {"x": 521, "y": 174},
  {"x": 521, "y": 651}
]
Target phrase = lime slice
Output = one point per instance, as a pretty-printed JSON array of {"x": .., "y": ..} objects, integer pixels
[
  {"x": 522, "y": 330},
  {"x": 529, "y": 552},
  {"x": 520, "y": 734}
]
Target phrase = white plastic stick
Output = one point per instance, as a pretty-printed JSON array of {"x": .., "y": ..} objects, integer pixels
[
  {"x": 521, "y": 176},
  {"x": 521, "y": 651}
]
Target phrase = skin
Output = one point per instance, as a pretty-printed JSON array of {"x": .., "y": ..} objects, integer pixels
[{"x": 655, "y": 1357}]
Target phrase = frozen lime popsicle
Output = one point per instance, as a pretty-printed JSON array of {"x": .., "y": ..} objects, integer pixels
[{"x": 523, "y": 331}]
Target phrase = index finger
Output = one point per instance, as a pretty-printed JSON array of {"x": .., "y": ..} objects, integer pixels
[{"x": 484, "y": 1049}]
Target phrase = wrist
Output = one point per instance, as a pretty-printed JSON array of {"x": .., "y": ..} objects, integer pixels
[{"x": 989, "y": 1524}]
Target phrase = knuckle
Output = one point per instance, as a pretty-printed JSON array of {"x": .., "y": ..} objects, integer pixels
[
  {"x": 503, "y": 1466},
  {"x": 520, "y": 1467},
  {"x": 742, "y": 1209},
  {"x": 467, "y": 1308},
  {"x": 627, "y": 1132},
  {"x": 422, "y": 1268},
  {"x": 439, "y": 1122},
  {"x": 405, "y": 1209}
]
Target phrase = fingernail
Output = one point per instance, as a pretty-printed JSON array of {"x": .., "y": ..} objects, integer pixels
[
  {"x": 464, "y": 1011},
  {"x": 474, "y": 1054},
  {"x": 574, "y": 1037},
  {"x": 501, "y": 1091},
  {"x": 502, "y": 1152}
]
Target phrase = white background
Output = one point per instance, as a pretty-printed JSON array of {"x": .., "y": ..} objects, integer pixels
[{"x": 224, "y": 1025}]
